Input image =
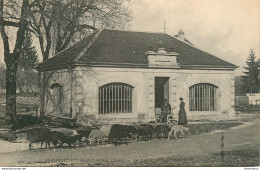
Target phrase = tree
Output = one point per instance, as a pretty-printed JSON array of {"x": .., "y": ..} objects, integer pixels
[
  {"x": 57, "y": 24},
  {"x": 28, "y": 60},
  {"x": 12, "y": 14},
  {"x": 2, "y": 77},
  {"x": 258, "y": 63},
  {"x": 251, "y": 77}
]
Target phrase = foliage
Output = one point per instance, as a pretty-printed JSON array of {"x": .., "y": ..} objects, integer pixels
[
  {"x": 251, "y": 77},
  {"x": 248, "y": 108},
  {"x": 27, "y": 78},
  {"x": 29, "y": 58}
]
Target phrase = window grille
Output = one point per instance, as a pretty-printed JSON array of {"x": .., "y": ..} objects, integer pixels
[
  {"x": 115, "y": 98},
  {"x": 203, "y": 97}
]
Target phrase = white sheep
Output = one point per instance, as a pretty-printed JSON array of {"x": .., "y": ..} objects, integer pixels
[{"x": 99, "y": 134}]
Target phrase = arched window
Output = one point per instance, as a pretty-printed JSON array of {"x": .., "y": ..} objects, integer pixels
[
  {"x": 203, "y": 97},
  {"x": 115, "y": 98},
  {"x": 56, "y": 97}
]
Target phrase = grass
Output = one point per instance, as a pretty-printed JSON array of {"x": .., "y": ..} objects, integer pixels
[
  {"x": 238, "y": 158},
  {"x": 196, "y": 129},
  {"x": 234, "y": 158},
  {"x": 248, "y": 108}
]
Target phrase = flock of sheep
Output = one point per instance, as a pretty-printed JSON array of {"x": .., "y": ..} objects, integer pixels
[{"x": 112, "y": 133}]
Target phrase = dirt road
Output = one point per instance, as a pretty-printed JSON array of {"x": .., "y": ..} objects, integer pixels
[{"x": 204, "y": 146}]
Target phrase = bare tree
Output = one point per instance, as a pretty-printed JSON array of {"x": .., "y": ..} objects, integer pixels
[
  {"x": 12, "y": 14},
  {"x": 2, "y": 78},
  {"x": 56, "y": 24},
  {"x": 59, "y": 23}
]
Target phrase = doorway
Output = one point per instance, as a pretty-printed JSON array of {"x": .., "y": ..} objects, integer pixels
[{"x": 161, "y": 92}]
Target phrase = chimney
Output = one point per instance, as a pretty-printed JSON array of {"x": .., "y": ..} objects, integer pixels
[{"x": 180, "y": 35}]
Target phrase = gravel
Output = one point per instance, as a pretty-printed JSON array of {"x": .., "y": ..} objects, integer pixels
[{"x": 6, "y": 146}]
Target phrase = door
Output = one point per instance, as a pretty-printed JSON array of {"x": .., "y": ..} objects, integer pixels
[{"x": 161, "y": 92}]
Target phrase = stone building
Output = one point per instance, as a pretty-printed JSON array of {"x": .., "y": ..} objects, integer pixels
[{"x": 126, "y": 75}]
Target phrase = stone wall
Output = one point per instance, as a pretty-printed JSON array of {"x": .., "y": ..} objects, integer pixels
[
  {"x": 63, "y": 78},
  {"x": 88, "y": 81}
]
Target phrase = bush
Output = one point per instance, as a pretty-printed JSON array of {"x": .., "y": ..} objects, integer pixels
[{"x": 247, "y": 108}]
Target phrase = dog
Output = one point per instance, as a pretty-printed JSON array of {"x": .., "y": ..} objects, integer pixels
[{"x": 177, "y": 129}]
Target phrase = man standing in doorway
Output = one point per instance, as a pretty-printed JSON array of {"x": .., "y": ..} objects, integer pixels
[{"x": 165, "y": 109}]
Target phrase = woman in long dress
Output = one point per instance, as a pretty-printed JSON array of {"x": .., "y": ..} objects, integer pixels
[{"x": 182, "y": 114}]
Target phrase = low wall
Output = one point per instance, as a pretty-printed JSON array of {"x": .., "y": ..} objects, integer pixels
[{"x": 254, "y": 98}]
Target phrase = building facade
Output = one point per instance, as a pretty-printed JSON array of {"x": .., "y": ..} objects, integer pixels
[{"x": 126, "y": 75}]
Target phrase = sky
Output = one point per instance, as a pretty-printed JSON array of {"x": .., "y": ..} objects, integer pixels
[{"x": 227, "y": 29}]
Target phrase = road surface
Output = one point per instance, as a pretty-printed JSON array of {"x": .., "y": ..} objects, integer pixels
[{"x": 220, "y": 147}]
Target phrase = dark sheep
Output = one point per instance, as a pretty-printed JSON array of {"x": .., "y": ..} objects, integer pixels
[
  {"x": 132, "y": 130},
  {"x": 117, "y": 132},
  {"x": 60, "y": 138},
  {"x": 36, "y": 135},
  {"x": 62, "y": 135},
  {"x": 84, "y": 132},
  {"x": 57, "y": 137},
  {"x": 162, "y": 129},
  {"x": 145, "y": 130}
]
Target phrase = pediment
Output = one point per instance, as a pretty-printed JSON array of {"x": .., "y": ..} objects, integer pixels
[{"x": 162, "y": 58}]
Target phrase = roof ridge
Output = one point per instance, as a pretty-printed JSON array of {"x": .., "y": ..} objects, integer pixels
[
  {"x": 88, "y": 45},
  {"x": 134, "y": 31}
]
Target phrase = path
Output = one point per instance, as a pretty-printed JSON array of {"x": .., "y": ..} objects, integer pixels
[{"x": 246, "y": 136}]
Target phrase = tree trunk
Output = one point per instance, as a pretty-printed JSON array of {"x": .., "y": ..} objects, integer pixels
[
  {"x": 10, "y": 114},
  {"x": 42, "y": 93},
  {"x": 12, "y": 59}
]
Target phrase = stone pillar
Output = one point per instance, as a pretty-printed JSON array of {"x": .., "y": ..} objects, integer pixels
[
  {"x": 151, "y": 109},
  {"x": 232, "y": 96},
  {"x": 173, "y": 96},
  {"x": 78, "y": 96}
]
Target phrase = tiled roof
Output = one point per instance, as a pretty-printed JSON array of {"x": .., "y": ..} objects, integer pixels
[
  {"x": 120, "y": 47},
  {"x": 185, "y": 40},
  {"x": 66, "y": 55}
]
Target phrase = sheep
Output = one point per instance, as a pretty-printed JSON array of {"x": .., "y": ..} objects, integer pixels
[
  {"x": 162, "y": 129},
  {"x": 97, "y": 135},
  {"x": 40, "y": 134},
  {"x": 64, "y": 135},
  {"x": 120, "y": 131},
  {"x": 145, "y": 130}
]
